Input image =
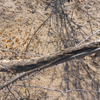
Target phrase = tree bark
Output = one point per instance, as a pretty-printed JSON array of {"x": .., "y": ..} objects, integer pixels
[{"x": 40, "y": 63}]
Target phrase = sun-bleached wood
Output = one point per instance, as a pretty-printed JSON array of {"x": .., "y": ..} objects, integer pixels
[{"x": 40, "y": 63}]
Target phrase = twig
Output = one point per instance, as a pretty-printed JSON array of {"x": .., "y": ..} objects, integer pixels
[
  {"x": 88, "y": 38},
  {"x": 37, "y": 31},
  {"x": 44, "y": 88},
  {"x": 11, "y": 93},
  {"x": 57, "y": 89}
]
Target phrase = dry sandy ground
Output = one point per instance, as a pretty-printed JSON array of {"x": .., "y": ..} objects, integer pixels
[{"x": 19, "y": 22}]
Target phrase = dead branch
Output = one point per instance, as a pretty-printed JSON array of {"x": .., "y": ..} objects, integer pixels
[{"x": 17, "y": 66}]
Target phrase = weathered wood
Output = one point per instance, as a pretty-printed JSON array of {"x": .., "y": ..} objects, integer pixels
[{"x": 17, "y": 66}]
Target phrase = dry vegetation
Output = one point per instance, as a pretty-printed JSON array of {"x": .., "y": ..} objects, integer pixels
[{"x": 36, "y": 28}]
